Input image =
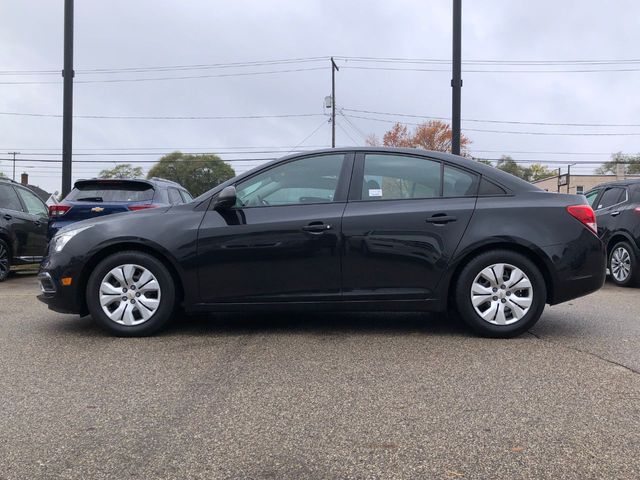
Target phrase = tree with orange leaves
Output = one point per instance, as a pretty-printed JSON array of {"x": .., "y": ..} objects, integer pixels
[{"x": 431, "y": 135}]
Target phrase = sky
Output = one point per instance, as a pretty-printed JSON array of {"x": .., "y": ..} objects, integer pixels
[{"x": 121, "y": 34}]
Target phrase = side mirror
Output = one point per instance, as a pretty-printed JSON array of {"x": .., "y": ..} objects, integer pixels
[{"x": 226, "y": 198}]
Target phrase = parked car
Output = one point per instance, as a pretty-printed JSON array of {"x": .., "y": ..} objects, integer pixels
[
  {"x": 374, "y": 229},
  {"x": 101, "y": 196},
  {"x": 617, "y": 208},
  {"x": 23, "y": 227}
]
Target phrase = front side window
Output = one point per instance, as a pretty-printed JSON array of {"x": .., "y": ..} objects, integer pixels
[
  {"x": 9, "y": 199},
  {"x": 33, "y": 204},
  {"x": 304, "y": 181},
  {"x": 610, "y": 197},
  {"x": 396, "y": 177}
]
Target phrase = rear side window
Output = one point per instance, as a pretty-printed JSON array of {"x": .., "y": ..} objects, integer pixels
[
  {"x": 9, "y": 198},
  {"x": 611, "y": 196},
  {"x": 489, "y": 188},
  {"x": 459, "y": 183},
  {"x": 174, "y": 196},
  {"x": 592, "y": 196},
  {"x": 397, "y": 177},
  {"x": 111, "y": 192},
  {"x": 186, "y": 196},
  {"x": 34, "y": 204}
]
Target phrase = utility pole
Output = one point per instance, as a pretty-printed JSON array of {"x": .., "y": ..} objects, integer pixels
[
  {"x": 456, "y": 81},
  {"x": 559, "y": 175},
  {"x": 14, "y": 163},
  {"x": 568, "y": 177},
  {"x": 334, "y": 69},
  {"x": 67, "y": 101}
]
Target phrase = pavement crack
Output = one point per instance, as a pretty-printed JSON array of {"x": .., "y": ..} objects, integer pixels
[{"x": 586, "y": 352}]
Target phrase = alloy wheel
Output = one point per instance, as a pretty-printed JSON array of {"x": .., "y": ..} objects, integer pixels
[
  {"x": 501, "y": 294},
  {"x": 620, "y": 264},
  {"x": 129, "y": 294}
]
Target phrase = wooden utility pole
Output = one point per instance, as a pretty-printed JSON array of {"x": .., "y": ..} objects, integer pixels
[
  {"x": 334, "y": 69},
  {"x": 14, "y": 163}
]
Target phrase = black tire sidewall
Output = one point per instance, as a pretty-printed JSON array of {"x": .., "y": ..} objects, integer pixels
[
  {"x": 157, "y": 268},
  {"x": 468, "y": 275},
  {"x": 4, "y": 276},
  {"x": 631, "y": 279}
]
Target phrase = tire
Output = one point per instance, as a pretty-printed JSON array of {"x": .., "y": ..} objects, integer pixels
[
  {"x": 5, "y": 260},
  {"x": 504, "y": 317},
  {"x": 623, "y": 265},
  {"x": 131, "y": 312}
]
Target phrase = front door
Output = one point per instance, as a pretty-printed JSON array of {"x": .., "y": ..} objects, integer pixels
[
  {"x": 282, "y": 240},
  {"x": 37, "y": 220},
  {"x": 404, "y": 220},
  {"x": 608, "y": 210}
]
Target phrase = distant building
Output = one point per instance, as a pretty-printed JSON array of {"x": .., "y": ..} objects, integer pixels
[{"x": 577, "y": 183}]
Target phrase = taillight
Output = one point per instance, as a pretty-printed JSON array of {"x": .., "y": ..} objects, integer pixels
[
  {"x": 144, "y": 206},
  {"x": 58, "y": 210},
  {"x": 637, "y": 210},
  {"x": 584, "y": 213}
]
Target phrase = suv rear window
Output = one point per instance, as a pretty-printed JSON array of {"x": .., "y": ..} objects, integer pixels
[{"x": 111, "y": 192}]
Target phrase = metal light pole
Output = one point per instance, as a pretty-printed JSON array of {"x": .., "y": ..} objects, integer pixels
[
  {"x": 456, "y": 81},
  {"x": 334, "y": 69},
  {"x": 67, "y": 101}
]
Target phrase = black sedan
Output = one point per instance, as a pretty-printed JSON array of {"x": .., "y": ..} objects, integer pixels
[{"x": 371, "y": 229}]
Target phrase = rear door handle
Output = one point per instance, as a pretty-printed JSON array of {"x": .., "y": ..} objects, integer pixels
[
  {"x": 316, "y": 227},
  {"x": 441, "y": 219},
  {"x": 615, "y": 214},
  {"x": 7, "y": 217}
]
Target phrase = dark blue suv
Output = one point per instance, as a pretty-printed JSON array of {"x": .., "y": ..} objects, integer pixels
[{"x": 100, "y": 196}]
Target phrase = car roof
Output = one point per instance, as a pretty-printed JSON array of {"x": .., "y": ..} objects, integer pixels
[{"x": 618, "y": 183}]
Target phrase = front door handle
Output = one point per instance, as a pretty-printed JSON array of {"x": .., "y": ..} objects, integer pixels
[
  {"x": 615, "y": 214},
  {"x": 7, "y": 216},
  {"x": 316, "y": 227},
  {"x": 441, "y": 218}
]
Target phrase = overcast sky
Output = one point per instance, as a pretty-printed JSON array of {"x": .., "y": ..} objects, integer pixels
[{"x": 143, "y": 33}]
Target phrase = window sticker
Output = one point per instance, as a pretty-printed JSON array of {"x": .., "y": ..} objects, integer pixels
[{"x": 375, "y": 192}]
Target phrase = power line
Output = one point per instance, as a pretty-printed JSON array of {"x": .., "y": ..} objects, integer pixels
[
  {"x": 512, "y": 132},
  {"x": 155, "y": 79},
  {"x": 353, "y": 67},
  {"x": 346, "y": 133},
  {"x": 165, "y": 117},
  {"x": 512, "y": 122}
]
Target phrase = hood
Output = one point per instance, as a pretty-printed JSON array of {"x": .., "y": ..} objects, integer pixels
[{"x": 116, "y": 217}]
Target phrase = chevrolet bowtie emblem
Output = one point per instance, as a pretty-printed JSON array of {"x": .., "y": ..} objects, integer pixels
[{"x": 97, "y": 209}]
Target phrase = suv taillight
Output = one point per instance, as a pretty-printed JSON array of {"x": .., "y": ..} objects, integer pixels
[
  {"x": 143, "y": 206},
  {"x": 58, "y": 210},
  {"x": 584, "y": 213}
]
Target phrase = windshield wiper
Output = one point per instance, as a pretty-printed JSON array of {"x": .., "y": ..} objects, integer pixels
[{"x": 89, "y": 199}]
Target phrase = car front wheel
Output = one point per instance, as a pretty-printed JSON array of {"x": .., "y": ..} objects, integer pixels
[
  {"x": 131, "y": 293},
  {"x": 500, "y": 294},
  {"x": 623, "y": 265}
]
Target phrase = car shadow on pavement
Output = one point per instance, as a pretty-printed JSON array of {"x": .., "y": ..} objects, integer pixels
[{"x": 233, "y": 324}]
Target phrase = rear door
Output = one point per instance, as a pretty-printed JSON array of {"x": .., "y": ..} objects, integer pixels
[
  {"x": 36, "y": 225},
  {"x": 14, "y": 222},
  {"x": 405, "y": 217},
  {"x": 608, "y": 208}
]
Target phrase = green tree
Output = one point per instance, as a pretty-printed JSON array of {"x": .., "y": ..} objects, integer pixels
[
  {"x": 537, "y": 171},
  {"x": 631, "y": 164},
  {"x": 123, "y": 170},
  {"x": 197, "y": 173},
  {"x": 509, "y": 165}
]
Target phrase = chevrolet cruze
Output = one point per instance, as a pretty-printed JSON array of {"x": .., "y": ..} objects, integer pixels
[{"x": 368, "y": 229}]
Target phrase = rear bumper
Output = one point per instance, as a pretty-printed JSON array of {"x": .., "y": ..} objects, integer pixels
[{"x": 580, "y": 268}]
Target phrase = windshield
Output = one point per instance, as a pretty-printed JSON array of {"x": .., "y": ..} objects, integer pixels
[{"x": 111, "y": 192}]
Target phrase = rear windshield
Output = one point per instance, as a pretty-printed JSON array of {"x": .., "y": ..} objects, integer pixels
[{"x": 111, "y": 192}]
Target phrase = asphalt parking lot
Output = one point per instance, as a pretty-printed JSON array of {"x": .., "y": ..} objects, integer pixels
[{"x": 320, "y": 396}]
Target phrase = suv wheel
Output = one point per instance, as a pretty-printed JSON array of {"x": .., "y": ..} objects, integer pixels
[
  {"x": 500, "y": 294},
  {"x": 131, "y": 293},
  {"x": 5, "y": 261},
  {"x": 623, "y": 265}
]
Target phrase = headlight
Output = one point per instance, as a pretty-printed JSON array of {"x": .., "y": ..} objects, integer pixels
[{"x": 60, "y": 240}]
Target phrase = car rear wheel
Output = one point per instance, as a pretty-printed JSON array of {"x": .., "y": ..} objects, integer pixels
[
  {"x": 623, "y": 265},
  {"x": 131, "y": 293},
  {"x": 500, "y": 294},
  {"x": 5, "y": 261}
]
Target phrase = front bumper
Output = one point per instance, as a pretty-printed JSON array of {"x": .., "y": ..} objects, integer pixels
[{"x": 60, "y": 298}]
